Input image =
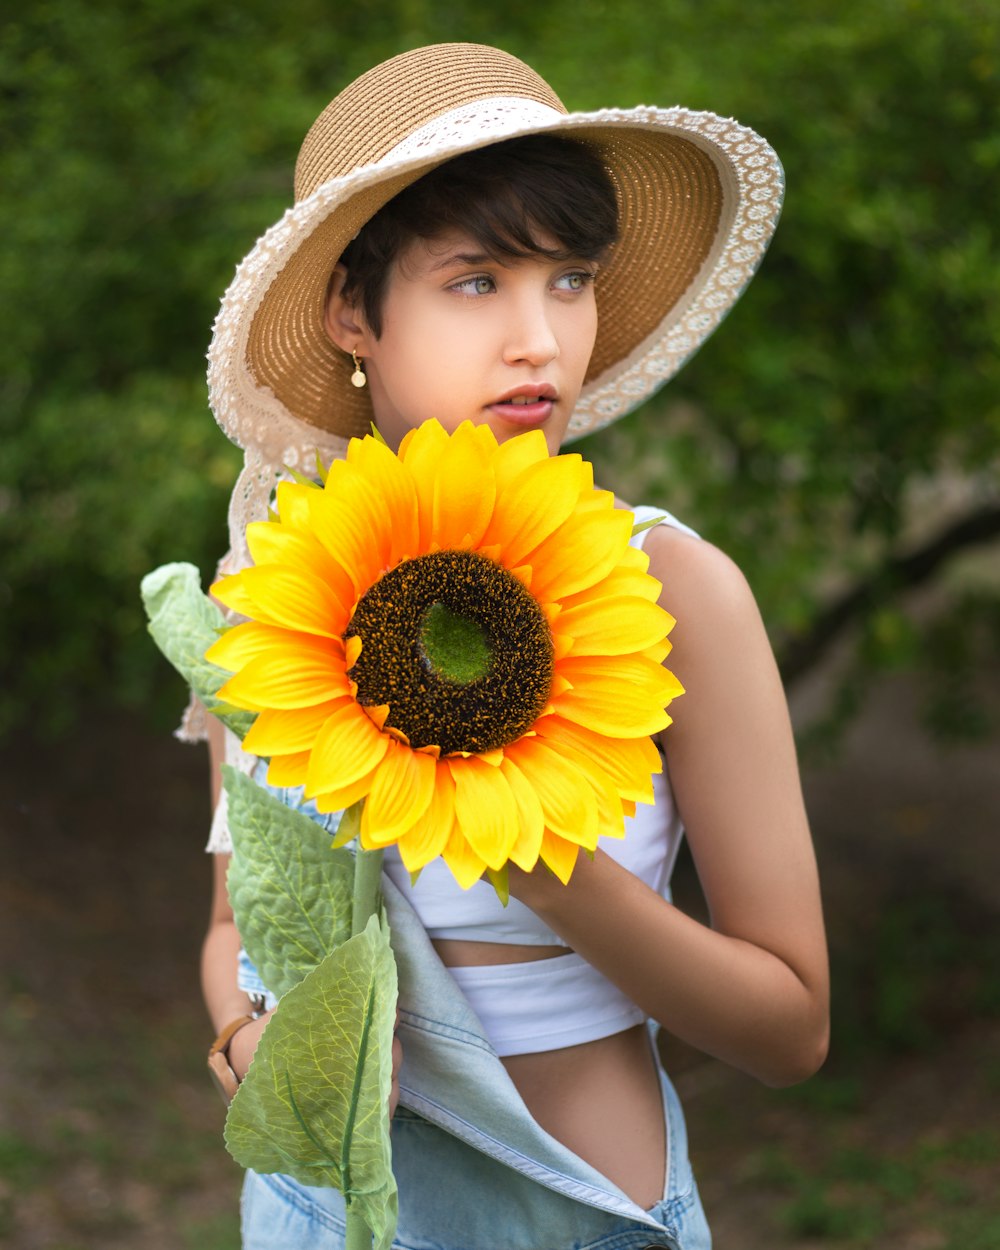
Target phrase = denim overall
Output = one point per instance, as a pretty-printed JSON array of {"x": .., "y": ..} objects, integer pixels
[{"x": 475, "y": 1171}]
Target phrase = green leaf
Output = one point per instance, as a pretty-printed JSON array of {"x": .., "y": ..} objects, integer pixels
[
  {"x": 314, "y": 1103},
  {"x": 499, "y": 881},
  {"x": 646, "y": 525},
  {"x": 302, "y": 478},
  {"x": 350, "y": 825},
  {"x": 290, "y": 893},
  {"x": 184, "y": 623}
]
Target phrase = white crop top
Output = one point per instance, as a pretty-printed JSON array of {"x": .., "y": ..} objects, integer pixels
[{"x": 562, "y": 1001}]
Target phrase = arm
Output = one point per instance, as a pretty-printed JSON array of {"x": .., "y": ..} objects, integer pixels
[
  {"x": 223, "y": 997},
  {"x": 752, "y": 988}
]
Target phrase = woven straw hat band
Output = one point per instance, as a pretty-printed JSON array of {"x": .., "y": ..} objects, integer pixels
[{"x": 372, "y": 115}]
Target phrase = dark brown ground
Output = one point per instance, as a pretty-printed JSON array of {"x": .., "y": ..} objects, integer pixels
[{"x": 110, "y": 1134}]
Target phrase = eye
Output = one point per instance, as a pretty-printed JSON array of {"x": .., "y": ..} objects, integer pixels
[
  {"x": 576, "y": 280},
  {"x": 481, "y": 284}
]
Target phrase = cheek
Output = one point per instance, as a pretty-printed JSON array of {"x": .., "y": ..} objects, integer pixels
[{"x": 581, "y": 339}]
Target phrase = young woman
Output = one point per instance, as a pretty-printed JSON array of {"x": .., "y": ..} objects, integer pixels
[{"x": 462, "y": 248}]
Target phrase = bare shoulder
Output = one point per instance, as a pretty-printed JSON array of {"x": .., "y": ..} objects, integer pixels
[
  {"x": 703, "y": 585},
  {"x": 718, "y": 624},
  {"x": 721, "y": 652}
]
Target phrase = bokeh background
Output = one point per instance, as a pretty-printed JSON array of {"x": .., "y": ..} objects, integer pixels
[{"x": 839, "y": 437}]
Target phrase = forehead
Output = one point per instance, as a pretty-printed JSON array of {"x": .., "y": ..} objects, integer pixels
[
  {"x": 423, "y": 257},
  {"x": 460, "y": 249}
]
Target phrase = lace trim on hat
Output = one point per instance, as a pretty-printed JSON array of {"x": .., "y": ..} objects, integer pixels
[{"x": 732, "y": 261}]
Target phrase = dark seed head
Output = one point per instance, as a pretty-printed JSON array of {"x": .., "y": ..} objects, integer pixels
[{"x": 458, "y": 649}]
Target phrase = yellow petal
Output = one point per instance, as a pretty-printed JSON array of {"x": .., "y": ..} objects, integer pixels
[
  {"x": 427, "y": 838},
  {"x": 610, "y": 820},
  {"x": 530, "y": 818},
  {"x": 353, "y": 527},
  {"x": 455, "y": 487},
  {"x": 614, "y": 626},
  {"x": 401, "y": 792},
  {"x": 629, "y": 762},
  {"x": 287, "y": 732},
  {"x": 347, "y": 748},
  {"x": 621, "y": 696},
  {"x": 560, "y": 856},
  {"x": 628, "y": 577},
  {"x": 231, "y": 593},
  {"x": 281, "y": 544},
  {"x": 288, "y": 770},
  {"x": 291, "y": 597},
  {"x": 420, "y": 446},
  {"x": 243, "y": 643},
  {"x": 516, "y": 454},
  {"x": 532, "y": 506},
  {"x": 485, "y": 809},
  {"x": 292, "y": 503},
  {"x": 660, "y": 650},
  {"x": 563, "y": 791},
  {"x": 465, "y": 865},
  {"x": 340, "y": 800},
  {"x": 385, "y": 478},
  {"x": 420, "y": 452},
  {"x": 582, "y": 551},
  {"x": 301, "y": 673}
]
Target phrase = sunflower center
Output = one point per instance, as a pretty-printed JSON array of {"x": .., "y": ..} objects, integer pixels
[
  {"x": 454, "y": 646},
  {"x": 457, "y": 647}
]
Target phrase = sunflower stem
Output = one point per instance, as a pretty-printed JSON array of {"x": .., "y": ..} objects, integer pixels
[
  {"x": 359, "y": 1236},
  {"x": 366, "y": 901},
  {"x": 367, "y": 888}
]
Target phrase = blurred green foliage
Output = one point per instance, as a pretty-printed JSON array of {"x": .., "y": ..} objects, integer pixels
[{"x": 846, "y": 414}]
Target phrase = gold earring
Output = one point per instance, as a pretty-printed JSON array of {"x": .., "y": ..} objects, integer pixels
[{"x": 358, "y": 378}]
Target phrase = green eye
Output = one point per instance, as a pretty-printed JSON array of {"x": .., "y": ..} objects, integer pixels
[{"x": 575, "y": 281}]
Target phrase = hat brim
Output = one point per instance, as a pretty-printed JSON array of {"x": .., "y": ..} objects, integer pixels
[{"x": 699, "y": 197}]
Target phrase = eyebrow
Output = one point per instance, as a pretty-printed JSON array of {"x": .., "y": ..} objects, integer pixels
[{"x": 462, "y": 258}]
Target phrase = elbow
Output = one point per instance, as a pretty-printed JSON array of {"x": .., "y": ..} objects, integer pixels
[{"x": 798, "y": 1062}]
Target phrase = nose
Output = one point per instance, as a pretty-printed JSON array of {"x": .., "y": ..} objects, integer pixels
[{"x": 531, "y": 336}]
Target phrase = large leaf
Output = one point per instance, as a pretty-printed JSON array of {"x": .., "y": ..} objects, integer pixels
[
  {"x": 184, "y": 623},
  {"x": 290, "y": 893},
  {"x": 314, "y": 1103}
]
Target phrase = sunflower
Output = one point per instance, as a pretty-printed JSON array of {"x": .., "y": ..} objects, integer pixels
[{"x": 461, "y": 636}]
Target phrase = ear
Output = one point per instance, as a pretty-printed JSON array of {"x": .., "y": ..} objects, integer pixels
[{"x": 344, "y": 323}]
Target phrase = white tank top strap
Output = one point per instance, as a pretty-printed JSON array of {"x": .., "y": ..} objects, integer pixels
[{"x": 644, "y": 513}]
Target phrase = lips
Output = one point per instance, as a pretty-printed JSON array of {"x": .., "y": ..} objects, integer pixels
[{"x": 527, "y": 405}]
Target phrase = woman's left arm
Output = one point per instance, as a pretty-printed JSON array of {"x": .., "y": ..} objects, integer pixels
[{"x": 752, "y": 988}]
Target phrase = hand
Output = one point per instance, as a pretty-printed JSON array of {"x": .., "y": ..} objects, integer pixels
[{"x": 244, "y": 1043}]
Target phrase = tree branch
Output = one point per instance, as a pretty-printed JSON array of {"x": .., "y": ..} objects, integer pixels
[{"x": 796, "y": 656}]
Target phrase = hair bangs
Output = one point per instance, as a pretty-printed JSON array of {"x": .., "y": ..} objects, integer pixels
[{"x": 541, "y": 195}]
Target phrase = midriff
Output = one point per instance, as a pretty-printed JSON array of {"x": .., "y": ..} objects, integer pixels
[{"x": 601, "y": 1099}]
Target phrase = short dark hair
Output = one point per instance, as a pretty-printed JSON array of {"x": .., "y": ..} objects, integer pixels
[{"x": 506, "y": 196}]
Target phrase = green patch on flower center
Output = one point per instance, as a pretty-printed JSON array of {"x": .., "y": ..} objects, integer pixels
[{"x": 457, "y": 647}]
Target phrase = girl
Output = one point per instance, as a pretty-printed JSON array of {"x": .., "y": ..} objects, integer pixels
[{"x": 462, "y": 248}]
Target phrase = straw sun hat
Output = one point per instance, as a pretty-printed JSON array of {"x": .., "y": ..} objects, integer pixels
[{"x": 699, "y": 197}]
